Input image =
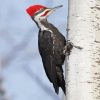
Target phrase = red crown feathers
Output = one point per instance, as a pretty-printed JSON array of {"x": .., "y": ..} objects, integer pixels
[{"x": 33, "y": 9}]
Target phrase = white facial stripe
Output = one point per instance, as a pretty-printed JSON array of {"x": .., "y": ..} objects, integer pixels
[
  {"x": 44, "y": 11},
  {"x": 39, "y": 16}
]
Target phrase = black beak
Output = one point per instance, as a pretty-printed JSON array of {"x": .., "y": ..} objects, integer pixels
[
  {"x": 51, "y": 10},
  {"x": 57, "y": 7}
]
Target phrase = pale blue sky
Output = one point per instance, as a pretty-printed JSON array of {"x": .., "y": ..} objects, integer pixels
[{"x": 23, "y": 71}]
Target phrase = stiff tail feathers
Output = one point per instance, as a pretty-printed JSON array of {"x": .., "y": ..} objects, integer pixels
[{"x": 60, "y": 78}]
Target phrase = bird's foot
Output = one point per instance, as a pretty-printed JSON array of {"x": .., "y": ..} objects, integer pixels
[{"x": 68, "y": 48}]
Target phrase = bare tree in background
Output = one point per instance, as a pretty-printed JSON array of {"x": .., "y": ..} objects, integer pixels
[
  {"x": 3, "y": 92},
  {"x": 83, "y": 70}
]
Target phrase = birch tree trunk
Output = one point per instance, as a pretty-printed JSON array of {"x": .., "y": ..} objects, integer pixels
[{"x": 83, "y": 70}]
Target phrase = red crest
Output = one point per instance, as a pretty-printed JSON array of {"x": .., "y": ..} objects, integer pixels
[{"x": 33, "y": 9}]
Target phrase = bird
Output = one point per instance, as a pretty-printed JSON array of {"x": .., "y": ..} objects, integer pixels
[{"x": 51, "y": 44}]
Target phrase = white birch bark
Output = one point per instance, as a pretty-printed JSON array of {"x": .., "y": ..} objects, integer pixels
[{"x": 83, "y": 70}]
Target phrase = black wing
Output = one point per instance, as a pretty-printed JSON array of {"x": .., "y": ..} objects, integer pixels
[{"x": 51, "y": 57}]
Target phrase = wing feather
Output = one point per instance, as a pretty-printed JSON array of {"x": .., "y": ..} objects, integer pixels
[
  {"x": 46, "y": 52},
  {"x": 51, "y": 56}
]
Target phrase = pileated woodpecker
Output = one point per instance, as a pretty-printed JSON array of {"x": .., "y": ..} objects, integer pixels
[{"x": 51, "y": 45}]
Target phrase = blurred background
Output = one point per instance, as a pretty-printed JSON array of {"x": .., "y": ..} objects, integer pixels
[{"x": 22, "y": 76}]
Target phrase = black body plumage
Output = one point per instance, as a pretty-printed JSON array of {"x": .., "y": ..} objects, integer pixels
[{"x": 51, "y": 45}]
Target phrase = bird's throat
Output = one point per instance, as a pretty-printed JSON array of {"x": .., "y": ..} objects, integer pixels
[{"x": 42, "y": 24}]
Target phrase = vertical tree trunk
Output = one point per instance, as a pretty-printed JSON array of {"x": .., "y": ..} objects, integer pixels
[{"x": 83, "y": 70}]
